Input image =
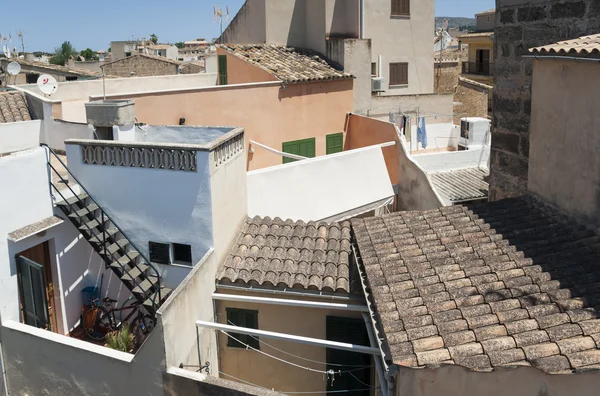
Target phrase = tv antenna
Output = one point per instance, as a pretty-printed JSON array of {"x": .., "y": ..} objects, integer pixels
[
  {"x": 218, "y": 13},
  {"x": 20, "y": 33},
  {"x": 47, "y": 84}
]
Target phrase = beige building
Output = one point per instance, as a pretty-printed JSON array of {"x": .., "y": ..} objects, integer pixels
[
  {"x": 480, "y": 63},
  {"x": 386, "y": 44},
  {"x": 32, "y": 70}
]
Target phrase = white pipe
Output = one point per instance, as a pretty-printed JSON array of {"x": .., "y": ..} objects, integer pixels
[
  {"x": 362, "y": 19},
  {"x": 373, "y": 341},
  {"x": 287, "y": 292},
  {"x": 379, "y": 66},
  {"x": 342, "y": 346},
  {"x": 290, "y": 303},
  {"x": 281, "y": 153}
]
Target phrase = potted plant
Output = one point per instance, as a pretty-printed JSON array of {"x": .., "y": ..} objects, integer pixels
[{"x": 121, "y": 340}]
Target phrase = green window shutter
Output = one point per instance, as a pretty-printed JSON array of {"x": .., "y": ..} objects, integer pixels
[
  {"x": 304, "y": 148},
  {"x": 222, "y": 69},
  {"x": 335, "y": 143},
  {"x": 243, "y": 318},
  {"x": 33, "y": 292},
  {"x": 291, "y": 148}
]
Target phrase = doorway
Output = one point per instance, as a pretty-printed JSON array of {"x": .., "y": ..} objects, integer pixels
[
  {"x": 34, "y": 272},
  {"x": 483, "y": 61}
]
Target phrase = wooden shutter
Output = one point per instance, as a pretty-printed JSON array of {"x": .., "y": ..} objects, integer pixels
[
  {"x": 243, "y": 318},
  {"x": 291, "y": 148},
  {"x": 399, "y": 73},
  {"x": 401, "y": 7},
  {"x": 335, "y": 143},
  {"x": 351, "y": 331},
  {"x": 33, "y": 292},
  {"x": 160, "y": 252},
  {"x": 222, "y": 69},
  {"x": 304, "y": 148}
]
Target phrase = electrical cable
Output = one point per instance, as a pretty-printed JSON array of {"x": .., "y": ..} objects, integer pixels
[{"x": 302, "y": 358}]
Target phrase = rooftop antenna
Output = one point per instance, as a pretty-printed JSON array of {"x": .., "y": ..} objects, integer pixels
[
  {"x": 5, "y": 48},
  {"x": 47, "y": 84},
  {"x": 441, "y": 33},
  {"x": 20, "y": 33},
  {"x": 218, "y": 13}
]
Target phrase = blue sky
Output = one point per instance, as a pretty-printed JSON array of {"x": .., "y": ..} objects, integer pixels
[{"x": 94, "y": 23}]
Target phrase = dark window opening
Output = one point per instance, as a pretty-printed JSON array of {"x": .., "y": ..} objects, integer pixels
[
  {"x": 71, "y": 78},
  {"x": 400, "y": 7},
  {"x": 182, "y": 254},
  {"x": 31, "y": 78},
  {"x": 160, "y": 252},
  {"x": 374, "y": 69},
  {"x": 399, "y": 73},
  {"x": 243, "y": 318}
]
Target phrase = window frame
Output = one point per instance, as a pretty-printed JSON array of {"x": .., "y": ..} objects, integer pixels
[
  {"x": 395, "y": 83},
  {"x": 252, "y": 341},
  {"x": 374, "y": 69},
  {"x": 396, "y": 5}
]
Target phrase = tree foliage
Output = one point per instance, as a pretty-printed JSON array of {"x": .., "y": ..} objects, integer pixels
[
  {"x": 88, "y": 54},
  {"x": 154, "y": 38},
  {"x": 179, "y": 44},
  {"x": 62, "y": 54}
]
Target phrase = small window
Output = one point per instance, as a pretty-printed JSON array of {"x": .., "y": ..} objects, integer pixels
[
  {"x": 71, "y": 78},
  {"x": 243, "y": 318},
  {"x": 374, "y": 69},
  {"x": 182, "y": 254},
  {"x": 400, "y": 7},
  {"x": 488, "y": 19},
  {"x": 398, "y": 74},
  {"x": 160, "y": 252}
]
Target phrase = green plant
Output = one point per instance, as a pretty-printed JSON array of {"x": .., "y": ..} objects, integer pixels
[
  {"x": 179, "y": 44},
  {"x": 154, "y": 38},
  {"x": 121, "y": 340},
  {"x": 62, "y": 54}
]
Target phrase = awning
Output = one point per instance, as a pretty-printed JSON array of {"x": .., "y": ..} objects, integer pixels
[
  {"x": 35, "y": 228},
  {"x": 327, "y": 188}
]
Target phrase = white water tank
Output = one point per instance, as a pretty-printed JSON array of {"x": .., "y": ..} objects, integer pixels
[{"x": 474, "y": 132}]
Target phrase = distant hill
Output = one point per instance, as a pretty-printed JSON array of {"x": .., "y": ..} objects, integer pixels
[{"x": 456, "y": 22}]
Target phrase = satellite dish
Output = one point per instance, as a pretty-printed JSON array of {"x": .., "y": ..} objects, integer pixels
[
  {"x": 47, "y": 84},
  {"x": 13, "y": 68},
  {"x": 6, "y": 50}
]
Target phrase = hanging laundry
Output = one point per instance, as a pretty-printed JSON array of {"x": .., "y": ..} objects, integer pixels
[
  {"x": 391, "y": 117},
  {"x": 422, "y": 132}
]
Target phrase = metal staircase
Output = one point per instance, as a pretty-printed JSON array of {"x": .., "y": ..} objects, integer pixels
[{"x": 118, "y": 252}]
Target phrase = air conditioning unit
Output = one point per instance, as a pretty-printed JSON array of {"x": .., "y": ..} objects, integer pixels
[
  {"x": 474, "y": 132},
  {"x": 377, "y": 84}
]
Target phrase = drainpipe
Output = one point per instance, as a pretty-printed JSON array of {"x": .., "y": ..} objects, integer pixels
[
  {"x": 361, "y": 13},
  {"x": 379, "y": 66},
  {"x": 373, "y": 341}
]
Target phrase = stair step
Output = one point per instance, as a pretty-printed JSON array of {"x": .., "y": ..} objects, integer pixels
[
  {"x": 121, "y": 244},
  {"x": 70, "y": 201},
  {"x": 143, "y": 287},
  {"x": 83, "y": 212},
  {"x": 164, "y": 293},
  {"x": 109, "y": 232},
  {"x": 123, "y": 261},
  {"x": 90, "y": 225},
  {"x": 134, "y": 272}
]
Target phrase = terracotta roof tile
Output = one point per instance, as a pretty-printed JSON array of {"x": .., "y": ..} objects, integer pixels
[
  {"x": 13, "y": 107},
  {"x": 508, "y": 283},
  {"x": 291, "y": 255},
  {"x": 291, "y": 65},
  {"x": 586, "y": 45}
]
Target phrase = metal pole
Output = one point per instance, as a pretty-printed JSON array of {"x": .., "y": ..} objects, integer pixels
[
  {"x": 290, "y": 303},
  {"x": 378, "y": 366}
]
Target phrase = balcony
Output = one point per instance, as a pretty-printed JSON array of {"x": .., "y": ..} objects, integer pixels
[{"x": 479, "y": 68}]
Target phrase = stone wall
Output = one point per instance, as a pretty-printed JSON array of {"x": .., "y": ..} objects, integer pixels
[
  {"x": 445, "y": 76},
  {"x": 140, "y": 66},
  {"x": 473, "y": 97},
  {"x": 520, "y": 25}
]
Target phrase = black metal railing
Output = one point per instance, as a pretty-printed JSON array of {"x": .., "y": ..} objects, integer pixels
[
  {"x": 480, "y": 68},
  {"x": 104, "y": 218}
]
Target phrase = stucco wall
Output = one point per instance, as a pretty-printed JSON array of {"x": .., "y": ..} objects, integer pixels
[
  {"x": 269, "y": 114},
  {"x": 140, "y": 66},
  {"x": 485, "y": 22},
  {"x": 58, "y": 131},
  {"x": 563, "y": 159},
  {"x": 16, "y": 136},
  {"x": 521, "y": 25},
  {"x": 241, "y": 72},
  {"x": 403, "y": 39},
  {"x": 249, "y": 24},
  {"x": 342, "y": 18},
  {"x": 156, "y": 205},
  {"x": 286, "y": 22},
  {"x": 451, "y": 380},
  {"x": 453, "y": 160},
  {"x": 264, "y": 371},
  {"x": 430, "y": 104}
]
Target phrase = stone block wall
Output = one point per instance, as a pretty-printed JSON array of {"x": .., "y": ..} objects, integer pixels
[
  {"x": 520, "y": 25},
  {"x": 140, "y": 66},
  {"x": 473, "y": 98},
  {"x": 445, "y": 77}
]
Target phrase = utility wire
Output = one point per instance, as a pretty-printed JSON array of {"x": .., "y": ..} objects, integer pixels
[{"x": 302, "y": 358}]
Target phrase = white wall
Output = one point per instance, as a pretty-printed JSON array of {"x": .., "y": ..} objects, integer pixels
[
  {"x": 439, "y": 136},
  {"x": 153, "y": 204},
  {"x": 17, "y": 136},
  {"x": 57, "y": 131},
  {"x": 453, "y": 160}
]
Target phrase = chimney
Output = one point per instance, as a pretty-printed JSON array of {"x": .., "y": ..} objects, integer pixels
[{"x": 112, "y": 119}]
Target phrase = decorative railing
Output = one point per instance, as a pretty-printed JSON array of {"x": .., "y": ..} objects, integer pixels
[
  {"x": 228, "y": 149},
  {"x": 481, "y": 68},
  {"x": 140, "y": 157}
]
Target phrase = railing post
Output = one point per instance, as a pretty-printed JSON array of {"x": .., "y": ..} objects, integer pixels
[{"x": 104, "y": 240}]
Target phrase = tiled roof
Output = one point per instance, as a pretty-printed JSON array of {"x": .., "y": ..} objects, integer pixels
[
  {"x": 586, "y": 45},
  {"x": 288, "y": 254},
  {"x": 511, "y": 282},
  {"x": 291, "y": 65},
  {"x": 461, "y": 185},
  {"x": 155, "y": 57},
  {"x": 63, "y": 69},
  {"x": 478, "y": 34},
  {"x": 13, "y": 107},
  {"x": 492, "y": 11},
  {"x": 160, "y": 46}
]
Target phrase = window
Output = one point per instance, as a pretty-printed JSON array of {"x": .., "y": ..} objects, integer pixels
[
  {"x": 374, "y": 69},
  {"x": 160, "y": 252},
  {"x": 400, "y": 7},
  {"x": 182, "y": 254},
  {"x": 335, "y": 143},
  {"x": 242, "y": 318},
  {"x": 304, "y": 148},
  {"x": 31, "y": 78},
  {"x": 222, "y": 69},
  {"x": 398, "y": 73},
  {"x": 71, "y": 78}
]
